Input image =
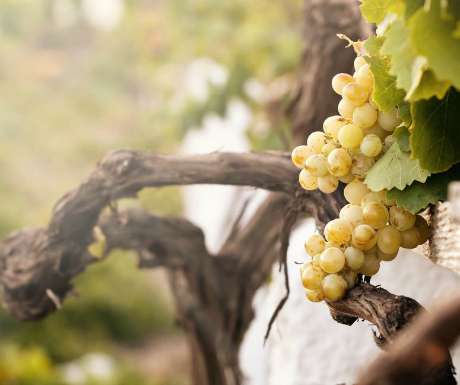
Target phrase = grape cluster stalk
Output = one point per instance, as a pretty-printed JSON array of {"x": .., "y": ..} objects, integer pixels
[{"x": 371, "y": 228}]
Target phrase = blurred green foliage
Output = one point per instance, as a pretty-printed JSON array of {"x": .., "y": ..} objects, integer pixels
[{"x": 72, "y": 92}]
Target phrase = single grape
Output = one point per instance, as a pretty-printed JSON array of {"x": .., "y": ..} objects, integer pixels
[
  {"x": 359, "y": 62},
  {"x": 308, "y": 181},
  {"x": 339, "y": 162},
  {"x": 371, "y": 145},
  {"x": 355, "y": 191},
  {"x": 363, "y": 77},
  {"x": 350, "y": 277},
  {"x": 423, "y": 228},
  {"x": 316, "y": 140},
  {"x": 389, "y": 240},
  {"x": 364, "y": 116},
  {"x": 377, "y": 130},
  {"x": 375, "y": 214},
  {"x": 339, "y": 81},
  {"x": 401, "y": 218},
  {"x": 386, "y": 257},
  {"x": 410, "y": 239},
  {"x": 389, "y": 120},
  {"x": 328, "y": 148},
  {"x": 315, "y": 244},
  {"x": 332, "y": 125},
  {"x": 328, "y": 184},
  {"x": 334, "y": 287},
  {"x": 370, "y": 266},
  {"x": 299, "y": 155},
  {"x": 314, "y": 295},
  {"x": 350, "y": 136},
  {"x": 312, "y": 276},
  {"x": 373, "y": 196},
  {"x": 355, "y": 94},
  {"x": 317, "y": 165},
  {"x": 354, "y": 257},
  {"x": 332, "y": 260},
  {"x": 353, "y": 214},
  {"x": 361, "y": 165},
  {"x": 345, "y": 108},
  {"x": 338, "y": 231},
  {"x": 363, "y": 237}
]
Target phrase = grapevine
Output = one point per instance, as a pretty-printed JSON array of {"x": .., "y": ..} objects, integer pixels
[{"x": 371, "y": 228}]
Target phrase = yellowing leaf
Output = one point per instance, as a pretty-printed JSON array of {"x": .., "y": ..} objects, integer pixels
[{"x": 395, "y": 169}]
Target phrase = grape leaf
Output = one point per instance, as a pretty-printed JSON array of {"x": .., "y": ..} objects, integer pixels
[
  {"x": 395, "y": 169},
  {"x": 412, "y": 6},
  {"x": 433, "y": 38},
  {"x": 411, "y": 71},
  {"x": 385, "y": 94},
  {"x": 402, "y": 134},
  {"x": 418, "y": 195},
  {"x": 374, "y": 11},
  {"x": 404, "y": 113},
  {"x": 435, "y": 138},
  {"x": 373, "y": 45}
]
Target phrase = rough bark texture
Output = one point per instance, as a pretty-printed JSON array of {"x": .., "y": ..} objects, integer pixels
[{"x": 213, "y": 293}]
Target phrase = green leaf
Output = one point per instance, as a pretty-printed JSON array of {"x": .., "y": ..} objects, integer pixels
[
  {"x": 404, "y": 113},
  {"x": 409, "y": 69},
  {"x": 385, "y": 94},
  {"x": 433, "y": 37},
  {"x": 412, "y": 6},
  {"x": 402, "y": 137},
  {"x": 435, "y": 138},
  {"x": 373, "y": 45},
  {"x": 418, "y": 196},
  {"x": 428, "y": 87},
  {"x": 395, "y": 169},
  {"x": 374, "y": 11}
]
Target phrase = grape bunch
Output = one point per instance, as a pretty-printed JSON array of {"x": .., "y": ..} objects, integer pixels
[{"x": 370, "y": 229}]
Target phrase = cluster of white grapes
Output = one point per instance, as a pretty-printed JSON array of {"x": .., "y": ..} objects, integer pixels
[{"x": 370, "y": 229}]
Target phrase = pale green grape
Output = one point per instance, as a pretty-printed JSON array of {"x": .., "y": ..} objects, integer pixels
[
  {"x": 373, "y": 196},
  {"x": 355, "y": 94},
  {"x": 328, "y": 184},
  {"x": 370, "y": 266},
  {"x": 371, "y": 145},
  {"x": 401, "y": 218},
  {"x": 315, "y": 244},
  {"x": 317, "y": 165},
  {"x": 386, "y": 257},
  {"x": 364, "y": 116},
  {"x": 334, "y": 287},
  {"x": 332, "y": 125},
  {"x": 353, "y": 214},
  {"x": 364, "y": 237},
  {"x": 355, "y": 191},
  {"x": 312, "y": 276},
  {"x": 423, "y": 228},
  {"x": 332, "y": 260},
  {"x": 375, "y": 214},
  {"x": 338, "y": 231},
  {"x": 328, "y": 148},
  {"x": 339, "y": 162},
  {"x": 350, "y": 136},
  {"x": 389, "y": 240},
  {"x": 339, "y": 81},
  {"x": 354, "y": 257},
  {"x": 377, "y": 130},
  {"x": 359, "y": 62},
  {"x": 314, "y": 295},
  {"x": 345, "y": 108},
  {"x": 316, "y": 140},
  {"x": 361, "y": 165},
  {"x": 363, "y": 77},
  {"x": 308, "y": 181},
  {"x": 389, "y": 120},
  {"x": 300, "y": 154},
  {"x": 411, "y": 238}
]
